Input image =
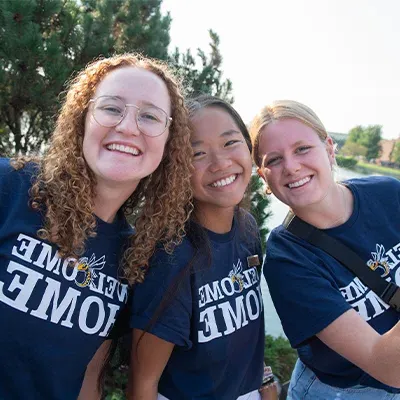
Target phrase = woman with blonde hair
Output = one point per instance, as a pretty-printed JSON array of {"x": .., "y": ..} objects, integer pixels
[
  {"x": 347, "y": 337},
  {"x": 120, "y": 148}
]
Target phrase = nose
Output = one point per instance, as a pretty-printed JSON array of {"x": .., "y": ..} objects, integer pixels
[
  {"x": 219, "y": 162},
  {"x": 129, "y": 125},
  {"x": 291, "y": 165}
]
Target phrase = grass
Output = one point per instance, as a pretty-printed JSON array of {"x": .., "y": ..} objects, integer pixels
[{"x": 366, "y": 168}]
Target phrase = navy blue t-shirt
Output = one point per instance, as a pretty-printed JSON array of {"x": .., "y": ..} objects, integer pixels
[
  {"x": 310, "y": 289},
  {"x": 214, "y": 316},
  {"x": 54, "y": 313}
]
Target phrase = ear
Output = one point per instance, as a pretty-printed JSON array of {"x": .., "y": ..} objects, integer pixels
[
  {"x": 261, "y": 174},
  {"x": 330, "y": 148}
]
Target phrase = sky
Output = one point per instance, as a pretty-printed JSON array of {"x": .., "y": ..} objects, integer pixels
[{"x": 339, "y": 57}]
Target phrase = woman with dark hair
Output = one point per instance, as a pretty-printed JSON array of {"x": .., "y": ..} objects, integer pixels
[
  {"x": 121, "y": 145},
  {"x": 198, "y": 326}
]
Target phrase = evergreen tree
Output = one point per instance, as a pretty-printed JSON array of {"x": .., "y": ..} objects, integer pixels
[
  {"x": 32, "y": 67},
  {"x": 43, "y": 42},
  {"x": 206, "y": 77},
  {"x": 259, "y": 206}
]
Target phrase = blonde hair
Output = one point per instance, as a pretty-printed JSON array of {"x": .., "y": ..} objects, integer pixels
[
  {"x": 161, "y": 203},
  {"x": 283, "y": 109}
]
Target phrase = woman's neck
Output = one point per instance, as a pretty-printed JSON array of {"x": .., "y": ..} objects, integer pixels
[
  {"x": 215, "y": 219},
  {"x": 108, "y": 201},
  {"x": 332, "y": 211}
]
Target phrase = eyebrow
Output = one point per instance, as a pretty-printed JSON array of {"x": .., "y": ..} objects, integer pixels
[
  {"x": 228, "y": 133},
  {"x": 299, "y": 142},
  {"x": 144, "y": 102}
]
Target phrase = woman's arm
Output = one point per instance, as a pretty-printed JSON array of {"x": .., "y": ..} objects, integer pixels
[
  {"x": 149, "y": 356},
  {"x": 269, "y": 392},
  {"x": 378, "y": 355},
  {"x": 90, "y": 389}
]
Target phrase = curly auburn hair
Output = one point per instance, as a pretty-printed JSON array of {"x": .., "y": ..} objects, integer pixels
[{"x": 65, "y": 187}]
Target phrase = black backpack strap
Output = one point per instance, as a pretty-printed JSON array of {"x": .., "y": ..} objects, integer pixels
[{"x": 389, "y": 292}]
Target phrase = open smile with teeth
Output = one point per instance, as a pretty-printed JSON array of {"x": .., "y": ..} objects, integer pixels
[
  {"x": 224, "y": 182},
  {"x": 123, "y": 149},
  {"x": 299, "y": 183}
]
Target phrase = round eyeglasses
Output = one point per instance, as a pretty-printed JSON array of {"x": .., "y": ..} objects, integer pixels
[{"x": 109, "y": 111}]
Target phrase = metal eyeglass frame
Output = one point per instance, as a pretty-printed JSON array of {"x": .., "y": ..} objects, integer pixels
[{"x": 169, "y": 119}]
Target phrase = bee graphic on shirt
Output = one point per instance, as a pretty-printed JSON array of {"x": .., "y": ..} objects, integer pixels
[
  {"x": 87, "y": 270},
  {"x": 236, "y": 277},
  {"x": 379, "y": 262}
]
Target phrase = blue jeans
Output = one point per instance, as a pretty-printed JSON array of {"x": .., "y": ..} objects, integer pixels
[{"x": 304, "y": 385}]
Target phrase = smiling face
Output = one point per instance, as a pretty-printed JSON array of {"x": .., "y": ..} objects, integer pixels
[
  {"x": 297, "y": 165},
  {"x": 121, "y": 156},
  {"x": 222, "y": 162}
]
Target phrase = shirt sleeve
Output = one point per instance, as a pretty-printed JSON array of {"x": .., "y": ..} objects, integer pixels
[
  {"x": 8, "y": 186},
  {"x": 162, "y": 304},
  {"x": 305, "y": 295}
]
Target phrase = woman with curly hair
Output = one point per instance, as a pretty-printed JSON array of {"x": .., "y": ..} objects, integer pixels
[
  {"x": 198, "y": 325},
  {"x": 121, "y": 147}
]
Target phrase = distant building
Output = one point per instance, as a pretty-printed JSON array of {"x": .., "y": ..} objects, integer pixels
[
  {"x": 338, "y": 137},
  {"x": 387, "y": 146}
]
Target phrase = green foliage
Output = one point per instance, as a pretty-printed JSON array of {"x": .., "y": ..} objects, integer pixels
[
  {"x": 259, "y": 206},
  {"x": 29, "y": 36},
  {"x": 370, "y": 169},
  {"x": 116, "y": 384},
  {"x": 346, "y": 162},
  {"x": 43, "y": 42},
  {"x": 206, "y": 77},
  {"x": 356, "y": 134},
  {"x": 353, "y": 149},
  {"x": 369, "y": 137},
  {"x": 280, "y": 356}
]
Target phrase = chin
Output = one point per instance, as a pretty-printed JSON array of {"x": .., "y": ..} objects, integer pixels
[{"x": 229, "y": 204}]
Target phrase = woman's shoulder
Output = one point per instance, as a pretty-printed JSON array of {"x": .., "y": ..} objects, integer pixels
[
  {"x": 245, "y": 214},
  {"x": 165, "y": 268},
  {"x": 375, "y": 193},
  {"x": 18, "y": 165},
  {"x": 279, "y": 236},
  {"x": 374, "y": 182},
  {"x": 246, "y": 219},
  {"x": 282, "y": 245},
  {"x": 14, "y": 174},
  {"x": 171, "y": 261},
  {"x": 5, "y": 168}
]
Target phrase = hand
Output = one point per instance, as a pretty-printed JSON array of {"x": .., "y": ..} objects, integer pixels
[{"x": 269, "y": 392}]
